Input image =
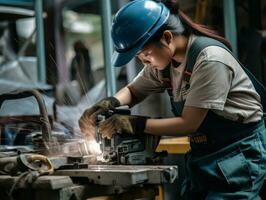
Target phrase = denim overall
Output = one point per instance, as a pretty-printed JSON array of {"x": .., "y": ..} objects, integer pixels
[{"x": 227, "y": 159}]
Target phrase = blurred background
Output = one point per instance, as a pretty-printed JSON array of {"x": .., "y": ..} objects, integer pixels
[
  {"x": 75, "y": 42},
  {"x": 62, "y": 48}
]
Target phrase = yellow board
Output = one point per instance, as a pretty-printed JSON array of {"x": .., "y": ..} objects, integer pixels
[
  {"x": 178, "y": 145},
  {"x": 160, "y": 196}
]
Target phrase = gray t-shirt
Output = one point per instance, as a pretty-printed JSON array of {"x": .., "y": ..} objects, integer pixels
[{"x": 217, "y": 83}]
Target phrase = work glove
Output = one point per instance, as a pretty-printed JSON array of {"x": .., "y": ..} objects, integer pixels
[
  {"x": 129, "y": 124},
  {"x": 87, "y": 122}
]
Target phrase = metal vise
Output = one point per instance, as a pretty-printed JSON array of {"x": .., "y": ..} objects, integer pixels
[{"x": 128, "y": 149}]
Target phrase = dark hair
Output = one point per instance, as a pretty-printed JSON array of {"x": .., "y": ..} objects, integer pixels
[
  {"x": 79, "y": 45},
  {"x": 179, "y": 22}
]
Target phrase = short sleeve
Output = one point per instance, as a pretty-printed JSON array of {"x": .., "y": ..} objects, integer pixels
[
  {"x": 210, "y": 84},
  {"x": 146, "y": 82}
]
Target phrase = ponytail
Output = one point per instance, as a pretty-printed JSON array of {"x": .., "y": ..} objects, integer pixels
[
  {"x": 199, "y": 29},
  {"x": 190, "y": 26}
]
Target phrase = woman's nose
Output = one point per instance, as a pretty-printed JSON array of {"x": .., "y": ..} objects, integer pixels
[{"x": 144, "y": 59}]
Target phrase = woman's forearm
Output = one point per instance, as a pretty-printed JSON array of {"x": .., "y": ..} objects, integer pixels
[
  {"x": 189, "y": 122},
  {"x": 124, "y": 96},
  {"x": 167, "y": 127}
]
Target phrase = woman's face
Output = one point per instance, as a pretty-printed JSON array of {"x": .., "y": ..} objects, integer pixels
[{"x": 155, "y": 55}]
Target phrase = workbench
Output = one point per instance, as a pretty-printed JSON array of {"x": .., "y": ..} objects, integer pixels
[
  {"x": 95, "y": 181},
  {"x": 65, "y": 188},
  {"x": 117, "y": 181}
]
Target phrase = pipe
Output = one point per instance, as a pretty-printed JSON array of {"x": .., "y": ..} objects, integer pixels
[
  {"x": 108, "y": 47},
  {"x": 230, "y": 24},
  {"x": 38, "y": 5}
]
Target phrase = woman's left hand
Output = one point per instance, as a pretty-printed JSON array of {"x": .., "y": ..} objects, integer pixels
[{"x": 129, "y": 124}]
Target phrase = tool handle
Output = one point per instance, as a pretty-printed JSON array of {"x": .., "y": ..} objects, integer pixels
[{"x": 120, "y": 111}]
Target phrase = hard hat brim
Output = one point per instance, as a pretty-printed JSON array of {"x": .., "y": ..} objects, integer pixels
[{"x": 121, "y": 59}]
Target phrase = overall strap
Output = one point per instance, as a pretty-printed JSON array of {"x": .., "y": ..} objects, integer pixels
[
  {"x": 166, "y": 78},
  {"x": 196, "y": 47},
  {"x": 201, "y": 43}
]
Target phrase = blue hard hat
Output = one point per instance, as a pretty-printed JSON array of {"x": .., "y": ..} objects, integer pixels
[{"x": 133, "y": 25}]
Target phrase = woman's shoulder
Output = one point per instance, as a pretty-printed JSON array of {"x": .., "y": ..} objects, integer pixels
[
  {"x": 213, "y": 54},
  {"x": 217, "y": 54}
]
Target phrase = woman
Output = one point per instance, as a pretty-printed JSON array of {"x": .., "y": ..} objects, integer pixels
[{"x": 214, "y": 101}]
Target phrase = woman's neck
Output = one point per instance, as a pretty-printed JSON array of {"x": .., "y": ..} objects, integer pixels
[{"x": 181, "y": 48}]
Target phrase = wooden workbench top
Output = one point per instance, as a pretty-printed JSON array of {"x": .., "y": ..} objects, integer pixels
[{"x": 179, "y": 145}]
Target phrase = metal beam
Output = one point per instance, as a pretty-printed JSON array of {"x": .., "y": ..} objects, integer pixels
[
  {"x": 38, "y": 5},
  {"x": 17, "y": 2},
  {"x": 230, "y": 24},
  {"x": 15, "y": 11},
  {"x": 106, "y": 15}
]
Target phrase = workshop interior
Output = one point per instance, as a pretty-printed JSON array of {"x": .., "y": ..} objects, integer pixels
[{"x": 55, "y": 62}]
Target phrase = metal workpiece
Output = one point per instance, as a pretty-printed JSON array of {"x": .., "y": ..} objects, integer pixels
[
  {"x": 124, "y": 175},
  {"x": 98, "y": 136}
]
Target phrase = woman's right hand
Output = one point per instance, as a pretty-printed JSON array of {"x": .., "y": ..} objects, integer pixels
[{"x": 87, "y": 121}]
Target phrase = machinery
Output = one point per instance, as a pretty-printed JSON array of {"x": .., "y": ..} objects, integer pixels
[
  {"x": 63, "y": 168},
  {"x": 128, "y": 149}
]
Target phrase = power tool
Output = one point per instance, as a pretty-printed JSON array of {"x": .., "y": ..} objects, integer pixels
[{"x": 128, "y": 149}]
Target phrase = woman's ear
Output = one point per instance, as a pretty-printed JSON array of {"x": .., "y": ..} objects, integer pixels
[{"x": 167, "y": 37}]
